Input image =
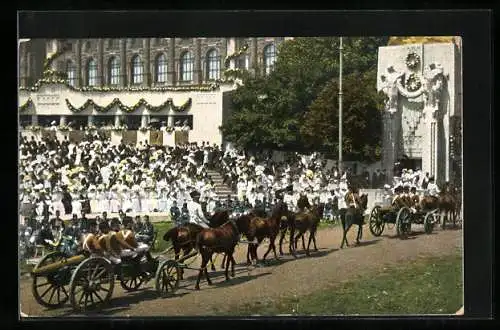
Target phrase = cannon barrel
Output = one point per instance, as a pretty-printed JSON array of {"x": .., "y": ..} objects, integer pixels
[{"x": 58, "y": 265}]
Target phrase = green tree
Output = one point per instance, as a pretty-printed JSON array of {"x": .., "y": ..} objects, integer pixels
[
  {"x": 303, "y": 68},
  {"x": 361, "y": 118}
]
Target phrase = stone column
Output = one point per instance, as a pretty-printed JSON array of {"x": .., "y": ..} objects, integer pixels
[
  {"x": 100, "y": 62},
  {"x": 144, "y": 120},
  {"x": 171, "y": 79},
  {"x": 117, "y": 120},
  {"x": 146, "y": 82},
  {"x": 123, "y": 62},
  {"x": 34, "y": 120},
  {"x": 389, "y": 143},
  {"x": 231, "y": 49},
  {"x": 62, "y": 120},
  {"x": 90, "y": 120},
  {"x": 197, "y": 73},
  {"x": 78, "y": 80},
  {"x": 223, "y": 54},
  {"x": 170, "y": 121},
  {"x": 254, "y": 58}
]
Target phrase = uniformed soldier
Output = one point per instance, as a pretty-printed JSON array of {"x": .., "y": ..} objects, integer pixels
[
  {"x": 432, "y": 188},
  {"x": 175, "y": 213},
  {"x": 196, "y": 215}
]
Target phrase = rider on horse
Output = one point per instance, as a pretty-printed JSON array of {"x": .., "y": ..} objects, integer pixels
[{"x": 196, "y": 215}]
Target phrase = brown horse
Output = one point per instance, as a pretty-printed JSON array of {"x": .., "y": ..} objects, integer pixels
[
  {"x": 218, "y": 219},
  {"x": 354, "y": 216},
  {"x": 184, "y": 238},
  {"x": 447, "y": 204},
  {"x": 289, "y": 224},
  {"x": 260, "y": 228},
  {"x": 217, "y": 240},
  {"x": 307, "y": 221}
]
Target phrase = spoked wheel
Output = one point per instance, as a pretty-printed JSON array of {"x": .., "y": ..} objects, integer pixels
[
  {"x": 51, "y": 290},
  {"x": 92, "y": 284},
  {"x": 167, "y": 277},
  {"x": 403, "y": 222},
  {"x": 132, "y": 283},
  {"x": 376, "y": 223},
  {"x": 429, "y": 221}
]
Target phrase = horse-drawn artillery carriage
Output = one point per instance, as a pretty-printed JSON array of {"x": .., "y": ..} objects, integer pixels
[
  {"x": 87, "y": 280},
  {"x": 402, "y": 217}
]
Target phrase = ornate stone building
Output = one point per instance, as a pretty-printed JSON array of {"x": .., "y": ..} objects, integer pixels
[
  {"x": 131, "y": 81},
  {"x": 422, "y": 124}
]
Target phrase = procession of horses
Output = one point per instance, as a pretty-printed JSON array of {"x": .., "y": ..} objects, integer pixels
[{"x": 85, "y": 274}]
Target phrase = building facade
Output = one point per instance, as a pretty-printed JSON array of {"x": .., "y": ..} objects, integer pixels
[{"x": 131, "y": 81}]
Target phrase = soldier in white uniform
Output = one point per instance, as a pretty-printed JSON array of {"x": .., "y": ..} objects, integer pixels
[
  {"x": 114, "y": 202},
  {"x": 196, "y": 215},
  {"x": 92, "y": 195},
  {"x": 57, "y": 204},
  {"x": 432, "y": 188}
]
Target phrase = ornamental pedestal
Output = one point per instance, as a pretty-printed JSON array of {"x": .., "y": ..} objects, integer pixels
[
  {"x": 142, "y": 136},
  {"x": 169, "y": 139},
  {"x": 116, "y": 137},
  {"x": 62, "y": 135}
]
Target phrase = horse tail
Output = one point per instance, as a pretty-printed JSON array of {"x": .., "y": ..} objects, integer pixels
[{"x": 170, "y": 234}]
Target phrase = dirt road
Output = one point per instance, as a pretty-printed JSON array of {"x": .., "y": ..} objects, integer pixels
[{"x": 287, "y": 277}]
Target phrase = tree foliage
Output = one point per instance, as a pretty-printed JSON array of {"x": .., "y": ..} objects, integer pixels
[{"x": 273, "y": 111}]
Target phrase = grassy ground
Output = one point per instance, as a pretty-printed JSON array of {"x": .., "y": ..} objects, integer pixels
[
  {"x": 426, "y": 286},
  {"x": 162, "y": 228}
]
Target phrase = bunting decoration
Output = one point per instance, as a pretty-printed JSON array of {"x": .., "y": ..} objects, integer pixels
[
  {"x": 26, "y": 105},
  {"x": 129, "y": 109}
]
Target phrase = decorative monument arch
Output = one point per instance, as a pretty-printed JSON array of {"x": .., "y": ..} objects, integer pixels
[{"x": 422, "y": 121}]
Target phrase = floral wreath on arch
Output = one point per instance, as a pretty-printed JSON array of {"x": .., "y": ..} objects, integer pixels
[
  {"x": 413, "y": 83},
  {"x": 412, "y": 60}
]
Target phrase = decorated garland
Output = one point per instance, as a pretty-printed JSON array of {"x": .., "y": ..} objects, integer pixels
[
  {"x": 412, "y": 60},
  {"x": 59, "y": 80},
  {"x": 235, "y": 55},
  {"x": 129, "y": 109},
  {"x": 413, "y": 83},
  {"x": 26, "y": 105}
]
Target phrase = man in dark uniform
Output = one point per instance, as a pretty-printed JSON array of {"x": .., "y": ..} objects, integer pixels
[
  {"x": 147, "y": 233},
  {"x": 73, "y": 229},
  {"x": 138, "y": 224},
  {"x": 57, "y": 223},
  {"x": 66, "y": 200},
  {"x": 175, "y": 213},
  {"x": 84, "y": 223}
]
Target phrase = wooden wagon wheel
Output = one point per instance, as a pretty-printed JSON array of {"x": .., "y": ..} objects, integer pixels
[
  {"x": 376, "y": 222},
  {"x": 167, "y": 277},
  {"x": 429, "y": 221},
  {"x": 403, "y": 222},
  {"x": 132, "y": 283},
  {"x": 92, "y": 284},
  {"x": 51, "y": 290}
]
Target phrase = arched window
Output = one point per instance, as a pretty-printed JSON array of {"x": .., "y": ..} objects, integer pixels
[
  {"x": 213, "y": 65},
  {"x": 92, "y": 73},
  {"x": 187, "y": 67},
  {"x": 114, "y": 71},
  {"x": 137, "y": 70},
  {"x": 269, "y": 57},
  {"x": 161, "y": 69},
  {"x": 71, "y": 73}
]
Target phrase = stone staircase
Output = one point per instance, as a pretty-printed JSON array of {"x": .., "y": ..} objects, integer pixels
[{"x": 221, "y": 189}]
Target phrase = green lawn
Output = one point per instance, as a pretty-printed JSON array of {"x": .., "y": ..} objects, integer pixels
[
  {"x": 162, "y": 228},
  {"x": 426, "y": 286}
]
